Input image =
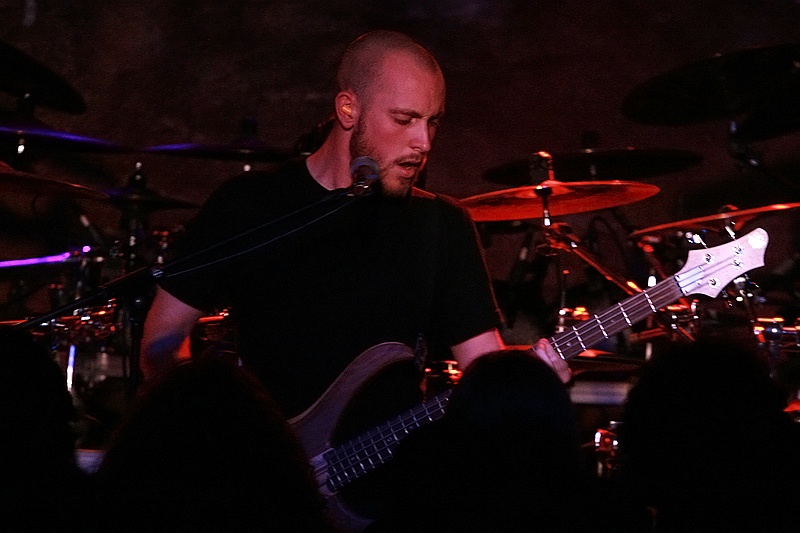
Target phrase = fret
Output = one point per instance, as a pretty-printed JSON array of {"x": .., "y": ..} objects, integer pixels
[
  {"x": 579, "y": 337},
  {"x": 650, "y": 302},
  {"x": 557, "y": 348},
  {"x": 622, "y": 310},
  {"x": 600, "y": 325}
]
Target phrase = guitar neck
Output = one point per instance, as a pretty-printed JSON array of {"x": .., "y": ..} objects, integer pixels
[
  {"x": 369, "y": 450},
  {"x": 615, "y": 319}
]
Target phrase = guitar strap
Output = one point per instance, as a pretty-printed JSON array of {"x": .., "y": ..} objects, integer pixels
[{"x": 427, "y": 228}]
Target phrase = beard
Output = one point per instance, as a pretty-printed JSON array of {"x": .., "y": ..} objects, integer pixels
[{"x": 389, "y": 187}]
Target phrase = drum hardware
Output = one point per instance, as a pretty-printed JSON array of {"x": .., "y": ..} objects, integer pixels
[
  {"x": 137, "y": 201},
  {"x": 440, "y": 375},
  {"x": 215, "y": 336},
  {"x": 606, "y": 450},
  {"x": 777, "y": 340}
]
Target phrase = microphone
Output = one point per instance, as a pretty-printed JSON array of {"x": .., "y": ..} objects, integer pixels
[{"x": 366, "y": 175}]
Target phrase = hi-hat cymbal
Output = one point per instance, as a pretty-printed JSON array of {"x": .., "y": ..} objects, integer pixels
[
  {"x": 620, "y": 164},
  {"x": 719, "y": 87},
  {"x": 252, "y": 150},
  {"x": 14, "y": 180},
  {"x": 718, "y": 221},
  {"x": 145, "y": 200},
  {"x": 34, "y": 134},
  {"x": 25, "y": 78},
  {"x": 564, "y": 199}
]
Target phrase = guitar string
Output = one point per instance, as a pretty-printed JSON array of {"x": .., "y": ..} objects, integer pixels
[
  {"x": 382, "y": 443},
  {"x": 638, "y": 307},
  {"x": 612, "y": 320},
  {"x": 377, "y": 438}
]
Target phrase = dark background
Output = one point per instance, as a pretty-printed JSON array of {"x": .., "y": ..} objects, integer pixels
[{"x": 522, "y": 77}]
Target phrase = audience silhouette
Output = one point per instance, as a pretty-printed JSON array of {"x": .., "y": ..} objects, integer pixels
[
  {"x": 706, "y": 445},
  {"x": 41, "y": 486},
  {"x": 505, "y": 457},
  {"x": 205, "y": 448}
]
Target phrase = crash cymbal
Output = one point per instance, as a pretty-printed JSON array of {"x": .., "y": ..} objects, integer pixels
[
  {"x": 620, "y": 164},
  {"x": 14, "y": 180},
  {"x": 25, "y": 78},
  {"x": 719, "y": 87},
  {"x": 252, "y": 150},
  {"x": 718, "y": 221},
  {"x": 34, "y": 134},
  {"x": 565, "y": 199}
]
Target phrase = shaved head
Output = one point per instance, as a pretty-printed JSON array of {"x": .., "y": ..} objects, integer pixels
[{"x": 361, "y": 65}]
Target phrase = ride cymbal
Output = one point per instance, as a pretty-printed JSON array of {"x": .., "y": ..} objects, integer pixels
[
  {"x": 718, "y": 221},
  {"x": 620, "y": 164},
  {"x": 252, "y": 150},
  {"x": 719, "y": 87},
  {"x": 14, "y": 180},
  {"x": 564, "y": 199}
]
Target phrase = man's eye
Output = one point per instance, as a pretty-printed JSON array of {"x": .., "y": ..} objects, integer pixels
[{"x": 403, "y": 121}]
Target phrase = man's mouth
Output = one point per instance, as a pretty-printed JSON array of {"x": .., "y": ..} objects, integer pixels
[{"x": 411, "y": 166}]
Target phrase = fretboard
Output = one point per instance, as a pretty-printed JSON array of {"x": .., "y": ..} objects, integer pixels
[
  {"x": 369, "y": 450},
  {"x": 615, "y": 319}
]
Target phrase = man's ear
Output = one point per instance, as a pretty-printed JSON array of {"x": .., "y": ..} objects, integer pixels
[{"x": 346, "y": 109}]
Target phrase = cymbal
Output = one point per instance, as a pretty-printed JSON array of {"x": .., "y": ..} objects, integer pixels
[
  {"x": 775, "y": 113},
  {"x": 36, "y": 134},
  {"x": 565, "y": 199},
  {"x": 143, "y": 199},
  {"x": 719, "y": 87},
  {"x": 621, "y": 164},
  {"x": 15, "y": 180},
  {"x": 718, "y": 221},
  {"x": 246, "y": 149},
  {"x": 23, "y": 77}
]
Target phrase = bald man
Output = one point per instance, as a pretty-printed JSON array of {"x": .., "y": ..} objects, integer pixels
[{"x": 314, "y": 273}]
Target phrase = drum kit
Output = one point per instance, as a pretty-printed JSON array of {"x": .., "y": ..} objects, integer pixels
[{"x": 94, "y": 304}]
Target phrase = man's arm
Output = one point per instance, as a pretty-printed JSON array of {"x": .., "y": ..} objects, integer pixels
[
  {"x": 166, "y": 329},
  {"x": 490, "y": 341}
]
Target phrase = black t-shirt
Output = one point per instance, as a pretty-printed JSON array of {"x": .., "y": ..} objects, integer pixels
[{"x": 315, "y": 277}]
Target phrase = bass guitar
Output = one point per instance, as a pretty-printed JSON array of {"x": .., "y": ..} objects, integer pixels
[{"x": 706, "y": 272}]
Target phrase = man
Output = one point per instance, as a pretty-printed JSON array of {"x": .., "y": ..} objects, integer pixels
[{"x": 316, "y": 275}]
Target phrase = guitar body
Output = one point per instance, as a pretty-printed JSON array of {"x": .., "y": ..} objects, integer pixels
[{"x": 318, "y": 427}]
